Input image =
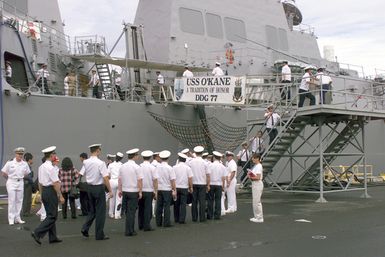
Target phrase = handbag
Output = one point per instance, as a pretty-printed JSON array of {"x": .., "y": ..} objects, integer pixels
[{"x": 74, "y": 191}]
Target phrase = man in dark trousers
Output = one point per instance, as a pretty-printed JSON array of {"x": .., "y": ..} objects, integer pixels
[
  {"x": 96, "y": 174},
  {"x": 84, "y": 201},
  {"x": 28, "y": 187},
  {"x": 49, "y": 184}
]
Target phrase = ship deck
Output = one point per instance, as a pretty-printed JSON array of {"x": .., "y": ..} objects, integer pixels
[{"x": 345, "y": 226}]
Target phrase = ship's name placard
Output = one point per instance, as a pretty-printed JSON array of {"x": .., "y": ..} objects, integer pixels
[{"x": 210, "y": 90}]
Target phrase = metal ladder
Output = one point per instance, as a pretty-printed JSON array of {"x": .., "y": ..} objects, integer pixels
[{"x": 105, "y": 80}]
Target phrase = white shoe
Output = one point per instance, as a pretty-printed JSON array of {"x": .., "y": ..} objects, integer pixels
[
  {"x": 229, "y": 211},
  {"x": 256, "y": 220},
  {"x": 42, "y": 218},
  {"x": 11, "y": 223},
  {"x": 20, "y": 222},
  {"x": 118, "y": 217},
  {"x": 223, "y": 213},
  {"x": 112, "y": 216}
]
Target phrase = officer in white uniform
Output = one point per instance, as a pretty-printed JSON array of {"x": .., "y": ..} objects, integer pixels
[
  {"x": 184, "y": 175},
  {"x": 304, "y": 88},
  {"x": 218, "y": 174},
  {"x": 14, "y": 172},
  {"x": 272, "y": 121},
  {"x": 50, "y": 194},
  {"x": 96, "y": 174},
  {"x": 149, "y": 191},
  {"x": 286, "y": 78},
  {"x": 325, "y": 83},
  {"x": 130, "y": 186},
  {"x": 217, "y": 71},
  {"x": 166, "y": 190},
  {"x": 256, "y": 176},
  {"x": 201, "y": 185},
  {"x": 231, "y": 182},
  {"x": 115, "y": 202},
  {"x": 187, "y": 73}
]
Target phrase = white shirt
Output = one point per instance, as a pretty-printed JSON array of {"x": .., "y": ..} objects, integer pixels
[
  {"x": 118, "y": 80},
  {"x": 8, "y": 72},
  {"x": 231, "y": 167},
  {"x": 256, "y": 144},
  {"x": 273, "y": 120},
  {"x": 15, "y": 169},
  {"x": 217, "y": 173},
  {"x": 42, "y": 73},
  {"x": 48, "y": 174},
  {"x": 324, "y": 79},
  {"x": 94, "y": 80},
  {"x": 113, "y": 169},
  {"x": 149, "y": 175},
  {"x": 165, "y": 175},
  {"x": 155, "y": 163},
  {"x": 199, "y": 170},
  {"x": 217, "y": 71},
  {"x": 286, "y": 73},
  {"x": 129, "y": 174},
  {"x": 160, "y": 79},
  {"x": 94, "y": 170},
  {"x": 244, "y": 155},
  {"x": 182, "y": 173},
  {"x": 188, "y": 74},
  {"x": 305, "y": 82},
  {"x": 257, "y": 169}
]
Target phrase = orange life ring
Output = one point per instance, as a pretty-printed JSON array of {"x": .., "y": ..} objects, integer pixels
[{"x": 230, "y": 56}]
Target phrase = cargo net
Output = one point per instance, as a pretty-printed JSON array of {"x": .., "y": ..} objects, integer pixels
[{"x": 191, "y": 134}]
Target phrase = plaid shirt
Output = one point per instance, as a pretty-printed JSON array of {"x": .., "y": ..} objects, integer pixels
[{"x": 68, "y": 178}]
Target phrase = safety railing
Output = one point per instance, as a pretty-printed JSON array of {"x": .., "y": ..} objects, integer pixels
[{"x": 90, "y": 45}]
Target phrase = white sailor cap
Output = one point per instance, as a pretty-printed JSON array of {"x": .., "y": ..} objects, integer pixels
[
  {"x": 218, "y": 63},
  {"x": 155, "y": 154},
  {"x": 309, "y": 68},
  {"x": 132, "y": 151},
  {"x": 49, "y": 149},
  {"x": 229, "y": 153},
  {"x": 218, "y": 154},
  {"x": 244, "y": 143},
  {"x": 95, "y": 145},
  {"x": 147, "y": 153},
  {"x": 164, "y": 154},
  {"x": 182, "y": 155},
  {"x": 119, "y": 154},
  {"x": 19, "y": 150},
  {"x": 111, "y": 155},
  {"x": 199, "y": 149},
  {"x": 186, "y": 150},
  {"x": 205, "y": 154}
]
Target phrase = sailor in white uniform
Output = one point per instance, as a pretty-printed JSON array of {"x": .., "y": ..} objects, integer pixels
[
  {"x": 184, "y": 175},
  {"x": 218, "y": 174},
  {"x": 130, "y": 186},
  {"x": 14, "y": 172},
  {"x": 115, "y": 203},
  {"x": 217, "y": 71},
  {"x": 166, "y": 190},
  {"x": 149, "y": 191},
  {"x": 231, "y": 182},
  {"x": 96, "y": 174},
  {"x": 155, "y": 162},
  {"x": 50, "y": 194},
  {"x": 187, "y": 73},
  {"x": 256, "y": 176},
  {"x": 201, "y": 185}
]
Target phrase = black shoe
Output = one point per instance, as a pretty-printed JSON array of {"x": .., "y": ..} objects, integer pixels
[
  {"x": 57, "y": 240},
  {"x": 64, "y": 217},
  {"x": 182, "y": 222},
  {"x": 85, "y": 233},
  {"x": 104, "y": 238},
  {"x": 148, "y": 229},
  {"x": 83, "y": 214},
  {"x": 37, "y": 240},
  {"x": 168, "y": 226},
  {"x": 73, "y": 217},
  {"x": 132, "y": 234}
]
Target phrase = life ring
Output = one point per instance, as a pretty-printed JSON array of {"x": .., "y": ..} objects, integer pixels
[{"x": 230, "y": 56}]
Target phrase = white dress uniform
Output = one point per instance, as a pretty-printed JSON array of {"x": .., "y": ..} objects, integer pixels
[
  {"x": 231, "y": 196},
  {"x": 188, "y": 74},
  {"x": 257, "y": 189},
  {"x": 115, "y": 201},
  {"x": 217, "y": 71},
  {"x": 183, "y": 173},
  {"x": 154, "y": 163},
  {"x": 218, "y": 172},
  {"x": 15, "y": 188}
]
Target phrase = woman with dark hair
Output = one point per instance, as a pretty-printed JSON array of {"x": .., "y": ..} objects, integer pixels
[{"x": 68, "y": 176}]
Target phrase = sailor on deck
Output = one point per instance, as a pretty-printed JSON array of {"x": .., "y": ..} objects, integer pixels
[
  {"x": 8, "y": 72},
  {"x": 96, "y": 174},
  {"x": 149, "y": 191},
  {"x": 231, "y": 182},
  {"x": 187, "y": 73},
  {"x": 286, "y": 78},
  {"x": 115, "y": 202},
  {"x": 42, "y": 79},
  {"x": 217, "y": 71},
  {"x": 304, "y": 89},
  {"x": 14, "y": 172},
  {"x": 130, "y": 187},
  {"x": 272, "y": 120},
  {"x": 50, "y": 194},
  {"x": 325, "y": 83},
  {"x": 94, "y": 83}
]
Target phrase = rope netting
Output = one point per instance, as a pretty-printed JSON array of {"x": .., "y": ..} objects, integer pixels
[{"x": 193, "y": 133}]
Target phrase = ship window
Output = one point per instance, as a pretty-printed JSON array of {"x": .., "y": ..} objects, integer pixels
[
  {"x": 191, "y": 21},
  {"x": 272, "y": 37},
  {"x": 214, "y": 25},
  {"x": 235, "y": 30},
  {"x": 284, "y": 44}
]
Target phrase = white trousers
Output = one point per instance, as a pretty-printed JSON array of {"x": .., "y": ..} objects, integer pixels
[
  {"x": 115, "y": 201},
  {"x": 257, "y": 189},
  {"x": 231, "y": 196},
  {"x": 15, "y": 190}
]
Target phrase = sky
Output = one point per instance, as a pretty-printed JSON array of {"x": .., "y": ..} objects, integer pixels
[{"x": 354, "y": 28}]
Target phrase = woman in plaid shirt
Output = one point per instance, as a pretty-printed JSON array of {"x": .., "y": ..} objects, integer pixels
[{"x": 69, "y": 176}]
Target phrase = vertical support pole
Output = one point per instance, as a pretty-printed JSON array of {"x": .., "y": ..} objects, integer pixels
[
  {"x": 321, "y": 198},
  {"x": 291, "y": 165},
  {"x": 365, "y": 194},
  {"x": 128, "y": 70}
]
